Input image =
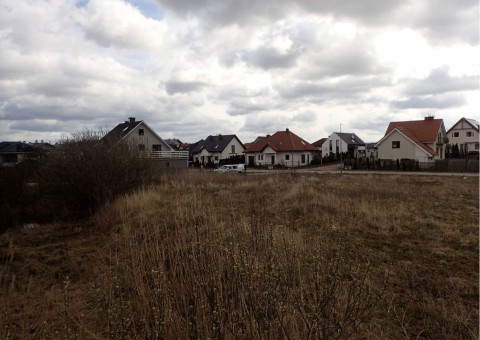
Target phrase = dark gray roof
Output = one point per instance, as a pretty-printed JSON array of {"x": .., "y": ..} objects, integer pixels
[
  {"x": 212, "y": 144},
  {"x": 122, "y": 129},
  {"x": 16, "y": 147},
  {"x": 350, "y": 138}
]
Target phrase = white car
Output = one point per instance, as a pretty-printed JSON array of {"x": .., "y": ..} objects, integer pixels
[{"x": 240, "y": 168}]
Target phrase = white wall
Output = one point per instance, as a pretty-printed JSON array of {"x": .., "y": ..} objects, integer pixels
[
  {"x": 469, "y": 143},
  {"x": 343, "y": 147},
  {"x": 295, "y": 158},
  {"x": 217, "y": 156},
  {"x": 227, "y": 152},
  {"x": 148, "y": 139},
  {"x": 407, "y": 150}
]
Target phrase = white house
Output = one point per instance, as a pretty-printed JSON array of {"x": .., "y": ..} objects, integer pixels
[
  {"x": 139, "y": 135},
  {"x": 213, "y": 149},
  {"x": 340, "y": 142},
  {"x": 421, "y": 140},
  {"x": 282, "y": 148},
  {"x": 465, "y": 134}
]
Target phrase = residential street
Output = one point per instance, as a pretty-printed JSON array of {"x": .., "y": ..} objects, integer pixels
[{"x": 335, "y": 169}]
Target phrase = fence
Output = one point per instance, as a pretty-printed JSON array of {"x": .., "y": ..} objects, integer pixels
[
  {"x": 444, "y": 165},
  {"x": 167, "y": 154}
]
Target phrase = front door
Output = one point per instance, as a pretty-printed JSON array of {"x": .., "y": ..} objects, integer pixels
[{"x": 273, "y": 160}]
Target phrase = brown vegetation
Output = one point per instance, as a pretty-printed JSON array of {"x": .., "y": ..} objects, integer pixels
[{"x": 271, "y": 256}]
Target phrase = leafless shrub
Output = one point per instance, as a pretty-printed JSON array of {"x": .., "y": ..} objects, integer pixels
[{"x": 87, "y": 171}]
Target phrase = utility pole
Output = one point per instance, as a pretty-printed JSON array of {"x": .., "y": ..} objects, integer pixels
[{"x": 341, "y": 158}]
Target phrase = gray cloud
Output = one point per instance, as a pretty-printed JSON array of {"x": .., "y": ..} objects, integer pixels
[
  {"x": 441, "y": 21},
  {"x": 344, "y": 89},
  {"x": 305, "y": 117},
  {"x": 345, "y": 58},
  {"x": 41, "y": 126},
  {"x": 440, "y": 81},
  {"x": 226, "y": 12},
  {"x": 260, "y": 125},
  {"x": 57, "y": 86},
  {"x": 371, "y": 123},
  {"x": 238, "y": 108},
  {"x": 435, "y": 102},
  {"x": 446, "y": 21},
  {"x": 173, "y": 87},
  {"x": 271, "y": 58},
  {"x": 303, "y": 89}
]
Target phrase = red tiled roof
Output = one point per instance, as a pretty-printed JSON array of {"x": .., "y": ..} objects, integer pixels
[
  {"x": 424, "y": 130},
  {"x": 409, "y": 134},
  {"x": 281, "y": 141},
  {"x": 319, "y": 142}
]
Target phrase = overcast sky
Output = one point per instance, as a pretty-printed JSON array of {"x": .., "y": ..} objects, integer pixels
[{"x": 193, "y": 68}]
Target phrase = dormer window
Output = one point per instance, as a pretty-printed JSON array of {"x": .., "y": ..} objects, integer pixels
[{"x": 141, "y": 132}]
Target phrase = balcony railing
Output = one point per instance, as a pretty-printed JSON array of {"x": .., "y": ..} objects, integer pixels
[{"x": 165, "y": 154}]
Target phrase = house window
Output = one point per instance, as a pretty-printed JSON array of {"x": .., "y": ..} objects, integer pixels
[
  {"x": 12, "y": 158},
  {"x": 476, "y": 146},
  {"x": 233, "y": 148},
  {"x": 141, "y": 147},
  {"x": 456, "y": 134},
  {"x": 287, "y": 157},
  {"x": 141, "y": 132},
  {"x": 216, "y": 158},
  {"x": 303, "y": 158},
  {"x": 469, "y": 134},
  {"x": 337, "y": 146},
  {"x": 260, "y": 157},
  {"x": 396, "y": 144},
  {"x": 331, "y": 145},
  {"x": 156, "y": 147}
]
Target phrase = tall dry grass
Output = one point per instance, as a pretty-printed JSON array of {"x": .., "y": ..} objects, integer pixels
[{"x": 277, "y": 256}]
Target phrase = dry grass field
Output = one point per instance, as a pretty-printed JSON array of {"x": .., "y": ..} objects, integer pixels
[{"x": 282, "y": 256}]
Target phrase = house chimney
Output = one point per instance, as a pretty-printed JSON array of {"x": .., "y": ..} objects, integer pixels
[
  {"x": 430, "y": 117},
  {"x": 287, "y": 130},
  {"x": 131, "y": 119}
]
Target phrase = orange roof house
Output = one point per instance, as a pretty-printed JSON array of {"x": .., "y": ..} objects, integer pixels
[
  {"x": 422, "y": 140},
  {"x": 283, "y": 148}
]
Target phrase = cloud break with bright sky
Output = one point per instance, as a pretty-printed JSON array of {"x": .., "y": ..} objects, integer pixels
[{"x": 193, "y": 68}]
